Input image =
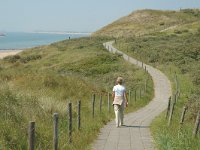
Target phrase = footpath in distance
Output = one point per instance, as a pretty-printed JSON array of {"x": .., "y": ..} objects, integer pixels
[{"x": 135, "y": 135}]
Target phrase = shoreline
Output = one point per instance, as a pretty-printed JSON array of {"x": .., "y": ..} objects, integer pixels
[
  {"x": 63, "y": 33},
  {"x": 9, "y": 52}
]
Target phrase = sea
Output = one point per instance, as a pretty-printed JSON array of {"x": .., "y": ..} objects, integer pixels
[{"x": 22, "y": 40}]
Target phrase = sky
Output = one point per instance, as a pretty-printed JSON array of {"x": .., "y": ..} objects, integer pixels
[{"x": 75, "y": 15}]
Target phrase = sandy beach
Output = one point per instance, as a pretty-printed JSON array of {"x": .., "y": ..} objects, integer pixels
[{"x": 4, "y": 53}]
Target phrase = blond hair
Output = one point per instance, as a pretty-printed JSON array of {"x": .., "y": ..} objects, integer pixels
[{"x": 119, "y": 80}]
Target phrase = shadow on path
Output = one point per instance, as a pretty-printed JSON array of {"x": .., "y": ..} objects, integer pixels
[{"x": 132, "y": 126}]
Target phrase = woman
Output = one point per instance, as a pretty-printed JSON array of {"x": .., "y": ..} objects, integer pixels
[{"x": 119, "y": 101}]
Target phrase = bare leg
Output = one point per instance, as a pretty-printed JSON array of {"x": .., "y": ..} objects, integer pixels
[{"x": 117, "y": 114}]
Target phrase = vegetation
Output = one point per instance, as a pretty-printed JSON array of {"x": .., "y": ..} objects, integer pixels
[
  {"x": 172, "y": 53},
  {"x": 144, "y": 22},
  {"x": 168, "y": 40},
  {"x": 40, "y": 81}
]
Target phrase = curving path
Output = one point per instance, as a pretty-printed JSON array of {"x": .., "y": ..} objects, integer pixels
[{"x": 135, "y": 135}]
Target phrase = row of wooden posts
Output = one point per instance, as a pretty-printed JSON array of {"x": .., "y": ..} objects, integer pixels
[
  {"x": 170, "y": 111},
  {"x": 143, "y": 65},
  {"x": 31, "y": 130},
  {"x": 171, "y": 106}
]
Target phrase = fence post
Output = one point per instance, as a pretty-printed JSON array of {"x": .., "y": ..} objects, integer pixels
[
  {"x": 55, "y": 131},
  {"x": 196, "y": 126},
  {"x": 31, "y": 135},
  {"x": 171, "y": 114},
  {"x": 145, "y": 86},
  {"x": 135, "y": 95},
  {"x": 183, "y": 115},
  {"x": 108, "y": 102},
  {"x": 168, "y": 108},
  {"x": 70, "y": 122},
  {"x": 79, "y": 115},
  {"x": 129, "y": 96},
  {"x": 93, "y": 104},
  {"x": 100, "y": 103},
  {"x": 140, "y": 93}
]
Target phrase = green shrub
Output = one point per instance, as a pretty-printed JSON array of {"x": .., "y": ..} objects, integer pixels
[
  {"x": 12, "y": 59},
  {"x": 162, "y": 24},
  {"x": 178, "y": 31},
  {"x": 28, "y": 58}
]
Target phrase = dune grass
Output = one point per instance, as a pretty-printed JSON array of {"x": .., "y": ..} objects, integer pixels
[
  {"x": 172, "y": 53},
  {"x": 144, "y": 22},
  {"x": 40, "y": 81}
]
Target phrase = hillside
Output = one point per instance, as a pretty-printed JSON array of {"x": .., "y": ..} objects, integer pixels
[
  {"x": 42, "y": 80},
  {"x": 150, "y": 21},
  {"x": 169, "y": 41}
]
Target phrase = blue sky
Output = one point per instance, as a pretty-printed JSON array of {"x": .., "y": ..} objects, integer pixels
[{"x": 75, "y": 15}]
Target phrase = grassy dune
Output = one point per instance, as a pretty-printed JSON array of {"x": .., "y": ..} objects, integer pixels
[
  {"x": 169, "y": 41},
  {"x": 144, "y": 22},
  {"x": 180, "y": 55},
  {"x": 42, "y": 80},
  {"x": 172, "y": 53}
]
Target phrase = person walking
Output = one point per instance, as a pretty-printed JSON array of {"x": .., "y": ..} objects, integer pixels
[{"x": 120, "y": 101}]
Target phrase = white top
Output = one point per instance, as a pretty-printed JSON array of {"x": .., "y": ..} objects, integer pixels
[{"x": 119, "y": 90}]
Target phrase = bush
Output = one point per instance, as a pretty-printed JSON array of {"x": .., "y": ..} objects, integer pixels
[
  {"x": 30, "y": 58},
  {"x": 12, "y": 59},
  {"x": 177, "y": 31},
  {"x": 196, "y": 77},
  {"x": 162, "y": 23}
]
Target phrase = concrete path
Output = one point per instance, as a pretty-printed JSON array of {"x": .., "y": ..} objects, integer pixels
[{"x": 135, "y": 134}]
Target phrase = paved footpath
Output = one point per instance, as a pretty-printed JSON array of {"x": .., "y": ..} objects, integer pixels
[{"x": 135, "y": 134}]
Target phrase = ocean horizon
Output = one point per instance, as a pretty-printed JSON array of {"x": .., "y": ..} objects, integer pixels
[{"x": 23, "y": 40}]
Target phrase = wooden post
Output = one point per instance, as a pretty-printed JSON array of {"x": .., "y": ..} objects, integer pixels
[
  {"x": 70, "y": 122},
  {"x": 93, "y": 104},
  {"x": 31, "y": 135},
  {"x": 171, "y": 114},
  {"x": 175, "y": 98},
  {"x": 140, "y": 93},
  {"x": 79, "y": 115},
  {"x": 108, "y": 102},
  {"x": 196, "y": 126},
  {"x": 183, "y": 115},
  {"x": 142, "y": 64},
  {"x": 145, "y": 68},
  {"x": 55, "y": 131},
  {"x": 135, "y": 95},
  {"x": 100, "y": 104},
  {"x": 129, "y": 96},
  {"x": 176, "y": 81},
  {"x": 168, "y": 108},
  {"x": 145, "y": 86}
]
